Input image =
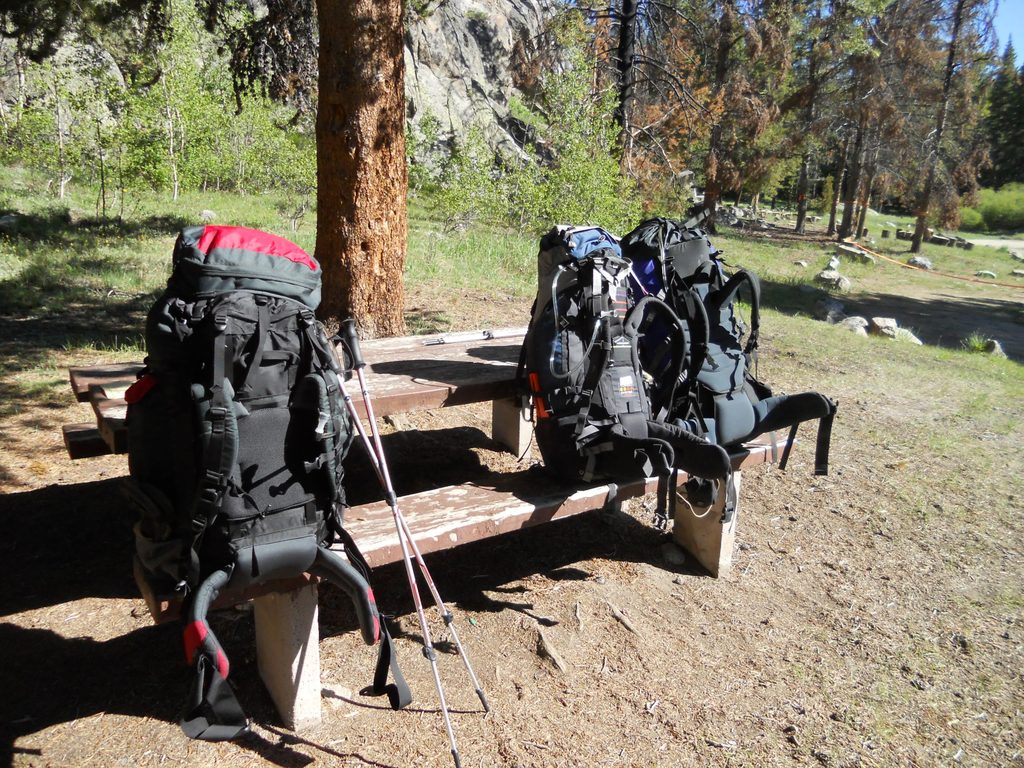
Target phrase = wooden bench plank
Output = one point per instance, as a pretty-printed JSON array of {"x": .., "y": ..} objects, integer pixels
[
  {"x": 84, "y": 441},
  {"x": 446, "y": 517},
  {"x": 83, "y": 379},
  {"x": 403, "y": 374}
]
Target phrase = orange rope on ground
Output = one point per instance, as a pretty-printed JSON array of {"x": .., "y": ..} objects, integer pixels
[{"x": 932, "y": 271}]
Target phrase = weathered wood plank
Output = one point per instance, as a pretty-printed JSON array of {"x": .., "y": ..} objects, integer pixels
[
  {"x": 83, "y": 379},
  {"x": 402, "y": 374},
  {"x": 446, "y": 517},
  {"x": 83, "y": 441},
  {"x": 164, "y": 607}
]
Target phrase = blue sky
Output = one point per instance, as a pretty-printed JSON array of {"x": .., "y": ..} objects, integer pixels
[{"x": 1010, "y": 22}]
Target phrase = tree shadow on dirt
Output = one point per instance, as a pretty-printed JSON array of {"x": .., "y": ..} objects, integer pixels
[
  {"x": 59, "y": 679},
  {"x": 56, "y": 226},
  {"x": 941, "y": 319},
  {"x": 65, "y": 543},
  {"x": 946, "y": 321}
]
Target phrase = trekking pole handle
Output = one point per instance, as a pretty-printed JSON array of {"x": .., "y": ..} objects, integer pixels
[{"x": 351, "y": 338}]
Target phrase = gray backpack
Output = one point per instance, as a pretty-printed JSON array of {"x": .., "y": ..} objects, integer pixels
[{"x": 237, "y": 433}]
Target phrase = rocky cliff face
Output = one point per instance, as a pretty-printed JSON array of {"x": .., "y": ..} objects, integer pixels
[{"x": 460, "y": 58}]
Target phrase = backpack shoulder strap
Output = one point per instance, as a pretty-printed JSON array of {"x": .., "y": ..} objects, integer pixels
[{"x": 718, "y": 297}]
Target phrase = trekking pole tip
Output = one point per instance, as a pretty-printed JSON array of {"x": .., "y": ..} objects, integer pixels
[
  {"x": 483, "y": 700},
  {"x": 455, "y": 757}
]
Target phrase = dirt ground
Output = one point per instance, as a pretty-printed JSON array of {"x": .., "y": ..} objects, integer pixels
[{"x": 874, "y": 617}]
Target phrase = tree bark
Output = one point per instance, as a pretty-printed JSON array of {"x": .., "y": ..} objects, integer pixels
[
  {"x": 853, "y": 182},
  {"x": 712, "y": 177},
  {"x": 362, "y": 221},
  {"x": 924, "y": 199},
  {"x": 624, "y": 65},
  {"x": 838, "y": 188},
  {"x": 801, "y": 192},
  {"x": 869, "y": 182}
]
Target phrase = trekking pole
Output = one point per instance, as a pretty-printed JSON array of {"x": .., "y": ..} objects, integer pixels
[
  {"x": 349, "y": 331},
  {"x": 445, "y": 612}
]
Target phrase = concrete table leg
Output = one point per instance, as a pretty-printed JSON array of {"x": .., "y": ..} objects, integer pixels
[
  {"x": 288, "y": 652},
  {"x": 706, "y": 537},
  {"x": 510, "y": 424}
]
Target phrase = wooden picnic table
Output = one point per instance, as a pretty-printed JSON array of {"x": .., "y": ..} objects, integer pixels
[
  {"x": 403, "y": 374},
  {"x": 407, "y": 374}
]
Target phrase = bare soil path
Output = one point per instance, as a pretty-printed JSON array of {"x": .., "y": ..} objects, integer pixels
[{"x": 874, "y": 617}]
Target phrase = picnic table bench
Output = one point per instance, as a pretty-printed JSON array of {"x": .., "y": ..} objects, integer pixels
[{"x": 403, "y": 375}]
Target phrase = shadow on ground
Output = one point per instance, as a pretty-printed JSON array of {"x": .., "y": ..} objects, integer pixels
[{"x": 67, "y": 543}]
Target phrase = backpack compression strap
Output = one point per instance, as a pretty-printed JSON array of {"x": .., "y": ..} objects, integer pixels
[{"x": 220, "y": 452}]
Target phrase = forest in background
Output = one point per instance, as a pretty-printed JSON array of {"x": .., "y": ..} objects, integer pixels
[{"x": 637, "y": 106}]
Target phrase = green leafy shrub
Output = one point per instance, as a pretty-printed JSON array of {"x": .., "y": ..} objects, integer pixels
[
  {"x": 580, "y": 183},
  {"x": 1002, "y": 209},
  {"x": 971, "y": 220}
]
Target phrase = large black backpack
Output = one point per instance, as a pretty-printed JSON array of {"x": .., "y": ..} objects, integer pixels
[
  {"x": 676, "y": 262},
  {"x": 594, "y": 419},
  {"x": 237, "y": 432}
]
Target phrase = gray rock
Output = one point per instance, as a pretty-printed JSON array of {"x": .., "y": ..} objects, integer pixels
[
  {"x": 923, "y": 262},
  {"x": 902, "y": 334},
  {"x": 985, "y": 273},
  {"x": 833, "y": 263},
  {"x": 832, "y": 280},
  {"x": 884, "y": 326},
  {"x": 1017, "y": 255},
  {"x": 855, "y": 324},
  {"x": 994, "y": 348},
  {"x": 672, "y": 554},
  {"x": 9, "y": 222},
  {"x": 1017, "y": 273},
  {"x": 207, "y": 215},
  {"x": 801, "y": 263},
  {"x": 830, "y": 310},
  {"x": 459, "y": 61}
]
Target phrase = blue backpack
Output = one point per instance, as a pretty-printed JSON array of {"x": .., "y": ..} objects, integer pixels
[
  {"x": 595, "y": 420},
  {"x": 676, "y": 262}
]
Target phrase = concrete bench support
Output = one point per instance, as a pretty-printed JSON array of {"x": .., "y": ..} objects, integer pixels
[
  {"x": 702, "y": 533},
  {"x": 288, "y": 653},
  {"x": 510, "y": 425}
]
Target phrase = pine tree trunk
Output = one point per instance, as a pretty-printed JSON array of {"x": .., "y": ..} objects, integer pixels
[
  {"x": 852, "y": 183},
  {"x": 624, "y": 65},
  {"x": 865, "y": 198},
  {"x": 362, "y": 221},
  {"x": 801, "y": 193},
  {"x": 712, "y": 176},
  {"x": 924, "y": 199},
  {"x": 837, "y": 190}
]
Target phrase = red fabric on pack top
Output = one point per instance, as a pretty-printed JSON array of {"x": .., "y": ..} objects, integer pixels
[{"x": 217, "y": 236}]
